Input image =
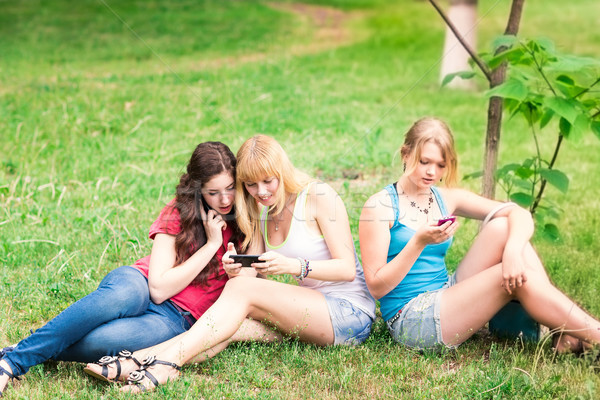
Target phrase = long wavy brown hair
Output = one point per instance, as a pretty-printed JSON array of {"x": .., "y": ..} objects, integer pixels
[{"x": 208, "y": 160}]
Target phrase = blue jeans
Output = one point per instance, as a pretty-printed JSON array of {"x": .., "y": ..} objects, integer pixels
[{"x": 118, "y": 315}]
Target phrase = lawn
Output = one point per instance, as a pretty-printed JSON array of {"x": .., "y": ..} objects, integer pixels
[{"x": 102, "y": 102}]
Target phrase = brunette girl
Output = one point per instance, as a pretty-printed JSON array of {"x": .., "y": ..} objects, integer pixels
[{"x": 159, "y": 296}]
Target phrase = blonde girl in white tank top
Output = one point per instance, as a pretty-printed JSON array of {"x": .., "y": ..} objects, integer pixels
[{"x": 305, "y": 227}]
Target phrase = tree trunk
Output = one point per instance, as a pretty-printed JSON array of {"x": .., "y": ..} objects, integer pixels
[
  {"x": 463, "y": 15},
  {"x": 495, "y": 109}
]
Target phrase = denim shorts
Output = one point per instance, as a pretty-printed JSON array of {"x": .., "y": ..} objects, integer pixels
[
  {"x": 351, "y": 325},
  {"x": 418, "y": 323}
]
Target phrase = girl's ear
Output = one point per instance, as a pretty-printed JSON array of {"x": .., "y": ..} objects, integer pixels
[{"x": 404, "y": 161}]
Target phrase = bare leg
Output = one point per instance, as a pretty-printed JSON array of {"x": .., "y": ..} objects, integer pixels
[
  {"x": 4, "y": 377},
  {"x": 250, "y": 330},
  {"x": 483, "y": 296},
  {"x": 291, "y": 309},
  {"x": 487, "y": 249},
  {"x": 486, "y": 252}
]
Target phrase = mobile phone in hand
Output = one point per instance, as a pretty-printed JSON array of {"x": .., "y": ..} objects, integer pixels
[
  {"x": 245, "y": 259},
  {"x": 205, "y": 205},
  {"x": 443, "y": 220}
]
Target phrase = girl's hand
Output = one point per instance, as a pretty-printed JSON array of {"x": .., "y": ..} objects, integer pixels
[
  {"x": 513, "y": 270},
  {"x": 433, "y": 234},
  {"x": 275, "y": 264},
  {"x": 232, "y": 268},
  {"x": 214, "y": 225}
]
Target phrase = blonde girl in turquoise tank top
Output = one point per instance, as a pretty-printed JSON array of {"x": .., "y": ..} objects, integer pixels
[{"x": 399, "y": 225}]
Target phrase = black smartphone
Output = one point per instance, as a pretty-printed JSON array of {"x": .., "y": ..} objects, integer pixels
[
  {"x": 443, "y": 220},
  {"x": 245, "y": 259},
  {"x": 205, "y": 205}
]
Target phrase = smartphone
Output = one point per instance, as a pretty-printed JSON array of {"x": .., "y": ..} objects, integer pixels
[
  {"x": 443, "y": 220},
  {"x": 205, "y": 205},
  {"x": 245, "y": 259}
]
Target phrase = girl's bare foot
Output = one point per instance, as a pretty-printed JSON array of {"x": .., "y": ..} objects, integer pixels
[
  {"x": 565, "y": 343},
  {"x": 153, "y": 373},
  {"x": 113, "y": 368}
]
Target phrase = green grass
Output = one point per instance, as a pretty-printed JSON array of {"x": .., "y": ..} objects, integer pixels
[{"x": 98, "y": 118}]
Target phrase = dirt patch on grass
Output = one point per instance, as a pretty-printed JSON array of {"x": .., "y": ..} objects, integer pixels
[
  {"x": 328, "y": 28},
  {"x": 328, "y": 22},
  {"x": 329, "y": 31}
]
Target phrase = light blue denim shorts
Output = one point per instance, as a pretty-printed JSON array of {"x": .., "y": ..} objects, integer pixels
[
  {"x": 351, "y": 325},
  {"x": 418, "y": 324}
]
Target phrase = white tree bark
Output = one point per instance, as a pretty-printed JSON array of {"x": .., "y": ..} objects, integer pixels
[{"x": 463, "y": 14}]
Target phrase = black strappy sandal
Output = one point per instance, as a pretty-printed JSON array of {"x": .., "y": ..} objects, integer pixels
[
  {"x": 105, "y": 361},
  {"x": 10, "y": 375},
  {"x": 136, "y": 377},
  {"x": 5, "y": 350}
]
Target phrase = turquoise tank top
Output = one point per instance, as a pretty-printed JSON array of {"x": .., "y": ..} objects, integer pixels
[{"x": 429, "y": 270}]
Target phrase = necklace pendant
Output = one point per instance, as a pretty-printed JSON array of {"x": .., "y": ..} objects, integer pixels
[{"x": 276, "y": 226}]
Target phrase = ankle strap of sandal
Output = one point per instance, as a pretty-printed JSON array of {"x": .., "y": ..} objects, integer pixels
[
  {"x": 151, "y": 360},
  {"x": 3, "y": 371}
]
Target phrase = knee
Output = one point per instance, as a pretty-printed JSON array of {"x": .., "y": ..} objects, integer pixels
[
  {"x": 497, "y": 227},
  {"x": 124, "y": 286},
  {"x": 240, "y": 289},
  {"x": 238, "y": 283}
]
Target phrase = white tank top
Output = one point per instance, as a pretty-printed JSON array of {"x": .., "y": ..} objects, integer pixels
[{"x": 301, "y": 242}]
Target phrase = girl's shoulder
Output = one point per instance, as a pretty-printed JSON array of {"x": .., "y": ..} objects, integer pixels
[
  {"x": 319, "y": 188},
  {"x": 379, "y": 204},
  {"x": 382, "y": 198}
]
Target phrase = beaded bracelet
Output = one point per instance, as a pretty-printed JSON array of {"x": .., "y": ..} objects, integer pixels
[
  {"x": 302, "y": 269},
  {"x": 307, "y": 268}
]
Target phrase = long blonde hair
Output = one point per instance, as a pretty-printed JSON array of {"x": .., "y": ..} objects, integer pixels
[
  {"x": 261, "y": 157},
  {"x": 434, "y": 130}
]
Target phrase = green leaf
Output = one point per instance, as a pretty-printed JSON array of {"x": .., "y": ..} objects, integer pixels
[
  {"x": 595, "y": 125},
  {"x": 505, "y": 169},
  {"x": 461, "y": 74},
  {"x": 528, "y": 162},
  {"x": 511, "y": 89},
  {"x": 522, "y": 199},
  {"x": 556, "y": 178},
  {"x": 546, "y": 118},
  {"x": 524, "y": 173},
  {"x": 566, "y": 108},
  {"x": 551, "y": 232},
  {"x": 504, "y": 41},
  {"x": 581, "y": 125},
  {"x": 473, "y": 175},
  {"x": 565, "y": 80},
  {"x": 514, "y": 55},
  {"x": 564, "y": 127},
  {"x": 566, "y": 85},
  {"x": 567, "y": 63},
  {"x": 531, "y": 111},
  {"x": 546, "y": 44},
  {"x": 522, "y": 184}
]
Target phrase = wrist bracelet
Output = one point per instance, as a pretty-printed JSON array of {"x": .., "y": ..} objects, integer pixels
[
  {"x": 303, "y": 266},
  {"x": 307, "y": 268}
]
